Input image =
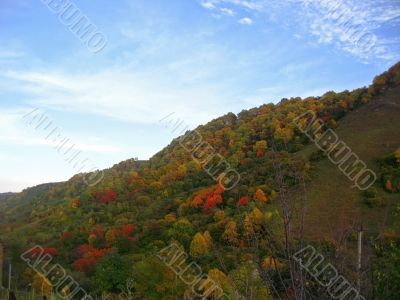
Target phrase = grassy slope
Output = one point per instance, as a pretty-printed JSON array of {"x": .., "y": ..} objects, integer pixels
[{"x": 371, "y": 132}]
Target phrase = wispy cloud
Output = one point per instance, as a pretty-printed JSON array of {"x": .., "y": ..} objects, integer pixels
[
  {"x": 5, "y": 54},
  {"x": 227, "y": 11},
  {"x": 354, "y": 26},
  {"x": 13, "y": 131},
  {"x": 246, "y": 21},
  {"x": 135, "y": 97},
  {"x": 10, "y": 55},
  {"x": 335, "y": 23}
]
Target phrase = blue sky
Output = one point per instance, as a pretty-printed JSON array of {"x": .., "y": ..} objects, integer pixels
[{"x": 198, "y": 59}]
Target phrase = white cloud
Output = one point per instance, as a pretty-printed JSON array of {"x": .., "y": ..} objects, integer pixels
[
  {"x": 207, "y": 4},
  {"x": 227, "y": 11},
  {"x": 252, "y": 5},
  {"x": 246, "y": 21},
  {"x": 256, "y": 5}
]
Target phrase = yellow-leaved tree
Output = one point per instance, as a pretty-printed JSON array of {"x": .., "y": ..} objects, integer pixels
[
  {"x": 221, "y": 280},
  {"x": 274, "y": 195},
  {"x": 248, "y": 227},
  {"x": 42, "y": 285},
  {"x": 230, "y": 234},
  {"x": 257, "y": 216},
  {"x": 208, "y": 240},
  {"x": 198, "y": 246}
]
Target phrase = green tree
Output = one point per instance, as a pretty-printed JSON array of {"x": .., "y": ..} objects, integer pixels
[
  {"x": 248, "y": 282},
  {"x": 182, "y": 231},
  {"x": 111, "y": 273},
  {"x": 386, "y": 271}
]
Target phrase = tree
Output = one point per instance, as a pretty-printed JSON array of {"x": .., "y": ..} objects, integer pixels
[
  {"x": 283, "y": 134},
  {"x": 389, "y": 185},
  {"x": 243, "y": 201},
  {"x": 209, "y": 204},
  {"x": 249, "y": 283},
  {"x": 98, "y": 231},
  {"x": 170, "y": 218},
  {"x": 219, "y": 216},
  {"x": 105, "y": 196},
  {"x": 208, "y": 240},
  {"x": 257, "y": 216},
  {"x": 89, "y": 256},
  {"x": 127, "y": 230},
  {"x": 397, "y": 155},
  {"x": 274, "y": 195},
  {"x": 66, "y": 235},
  {"x": 230, "y": 234},
  {"x": 111, "y": 237},
  {"x": 260, "y": 196},
  {"x": 181, "y": 172},
  {"x": 42, "y": 285},
  {"x": 76, "y": 203},
  {"x": 271, "y": 262},
  {"x": 156, "y": 280},
  {"x": 248, "y": 227},
  {"x": 386, "y": 271},
  {"x": 198, "y": 246},
  {"x": 121, "y": 237},
  {"x": 111, "y": 273},
  {"x": 197, "y": 201},
  {"x": 182, "y": 231},
  {"x": 221, "y": 280},
  {"x": 50, "y": 251},
  {"x": 219, "y": 188},
  {"x": 259, "y": 147},
  {"x": 218, "y": 198},
  {"x": 220, "y": 219},
  {"x": 213, "y": 199},
  {"x": 92, "y": 239}
]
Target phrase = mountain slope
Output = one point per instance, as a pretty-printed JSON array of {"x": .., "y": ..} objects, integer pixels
[{"x": 140, "y": 207}]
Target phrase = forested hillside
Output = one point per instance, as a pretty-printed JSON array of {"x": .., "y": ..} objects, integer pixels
[
  {"x": 244, "y": 235},
  {"x": 4, "y": 196}
]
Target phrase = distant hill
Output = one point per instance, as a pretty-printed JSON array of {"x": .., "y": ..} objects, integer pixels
[{"x": 5, "y": 196}]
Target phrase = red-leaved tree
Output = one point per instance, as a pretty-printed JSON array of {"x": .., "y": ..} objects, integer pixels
[
  {"x": 243, "y": 201},
  {"x": 105, "y": 196}
]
